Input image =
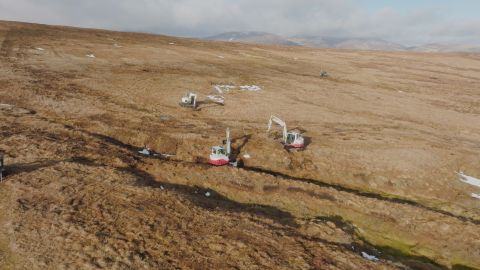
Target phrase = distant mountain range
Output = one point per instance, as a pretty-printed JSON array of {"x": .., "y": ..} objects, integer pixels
[
  {"x": 341, "y": 43},
  {"x": 254, "y": 37}
]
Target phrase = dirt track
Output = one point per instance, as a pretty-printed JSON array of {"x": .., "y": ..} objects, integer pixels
[{"x": 386, "y": 132}]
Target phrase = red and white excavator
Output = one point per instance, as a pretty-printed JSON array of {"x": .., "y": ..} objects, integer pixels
[
  {"x": 220, "y": 155},
  {"x": 290, "y": 138}
]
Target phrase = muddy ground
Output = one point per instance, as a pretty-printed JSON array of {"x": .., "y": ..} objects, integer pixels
[{"x": 386, "y": 134}]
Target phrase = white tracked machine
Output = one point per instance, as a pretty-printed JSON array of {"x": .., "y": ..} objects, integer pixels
[
  {"x": 189, "y": 100},
  {"x": 290, "y": 138}
]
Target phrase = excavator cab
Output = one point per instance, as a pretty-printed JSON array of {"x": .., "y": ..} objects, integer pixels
[
  {"x": 291, "y": 138},
  {"x": 221, "y": 155},
  {"x": 189, "y": 100},
  {"x": 218, "y": 150},
  {"x": 295, "y": 140}
]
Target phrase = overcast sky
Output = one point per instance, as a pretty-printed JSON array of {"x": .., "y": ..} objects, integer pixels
[{"x": 410, "y": 22}]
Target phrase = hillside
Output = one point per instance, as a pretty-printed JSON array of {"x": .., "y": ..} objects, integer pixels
[
  {"x": 386, "y": 134},
  {"x": 253, "y": 37},
  {"x": 366, "y": 44},
  {"x": 446, "y": 48}
]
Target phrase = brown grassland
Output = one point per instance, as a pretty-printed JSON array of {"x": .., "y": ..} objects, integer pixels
[{"x": 386, "y": 134}]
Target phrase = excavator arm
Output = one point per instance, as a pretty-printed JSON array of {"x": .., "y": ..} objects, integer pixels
[
  {"x": 229, "y": 147},
  {"x": 281, "y": 123}
]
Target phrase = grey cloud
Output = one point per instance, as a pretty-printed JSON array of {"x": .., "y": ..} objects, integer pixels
[{"x": 337, "y": 18}]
